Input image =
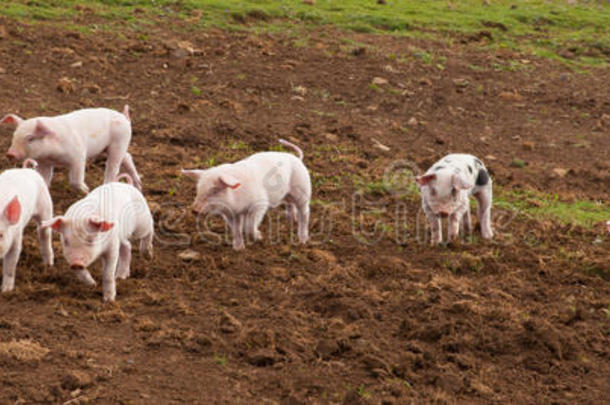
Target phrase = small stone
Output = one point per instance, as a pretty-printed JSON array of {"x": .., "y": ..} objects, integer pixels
[
  {"x": 300, "y": 90},
  {"x": 560, "y": 172},
  {"x": 188, "y": 255},
  {"x": 379, "y": 145},
  {"x": 390, "y": 69},
  {"x": 379, "y": 81},
  {"x": 510, "y": 96},
  {"x": 462, "y": 83},
  {"x": 76, "y": 379},
  {"x": 412, "y": 122},
  {"x": 297, "y": 98},
  {"x": 491, "y": 157},
  {"x": 228, "y": 323},
  {"x": 77, "y": 64},
  {"x": 326, "y": 348},
  {"x": 331, "y": 137},
  {"x": 529, "y": 145},
  {"x": 2, "y": 70},
  {"x": 425, "y": 81},
  {"x": 65, "y": 85},
  {"x": 262, "y": 358}
]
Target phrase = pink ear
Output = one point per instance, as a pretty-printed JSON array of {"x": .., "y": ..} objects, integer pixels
[
  {"x": 11, "y": 119},
  {"x": 229, "y": 181},
  {"x": 425, "y": 179},
  {"x": 55, "y": 223},
  {"x": 101, "y": 225},
  {"x": 42, "y": 130},
  {"x": 13, "y": 211}
]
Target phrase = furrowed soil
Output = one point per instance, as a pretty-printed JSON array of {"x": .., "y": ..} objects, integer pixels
[{"x": 366, "y": 312}]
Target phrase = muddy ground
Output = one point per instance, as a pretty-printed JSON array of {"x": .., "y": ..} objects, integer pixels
[{"x": 364, "y": 313}]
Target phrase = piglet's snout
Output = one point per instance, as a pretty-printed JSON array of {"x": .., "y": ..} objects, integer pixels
[
  {"x": 77, "y": 266},
  {"x": 12, "y": 154}
]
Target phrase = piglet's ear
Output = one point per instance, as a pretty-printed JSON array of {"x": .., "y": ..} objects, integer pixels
[
  {"x": 12, "y": 212},
  {"x": 195, "y": 174},
  {"x": 100, "y": 225},
  {"x": 55, "y": 223},
  {"x": 425, "y": 179},
  {"x": 229, "y": 181},
  {"x": 11, "y": 119},
  {"x": 41, "y": 130},
  {"x": 460, "y": 183}
]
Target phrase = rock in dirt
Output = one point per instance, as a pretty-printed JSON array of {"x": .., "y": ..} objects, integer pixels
[
  {"x": 229, "y": 323},
  {"x": 2, "y": 70},
  {"x": 262, "y": 358},
  {"x": 76, "y": 379},
  {"x": 65, "y": 85},
  {"x": 560, "y": 172},
  {"x": 510, "y": 96},
  {"x": 300, "y": 90},
  {"x": 189, "y": 255},
  {"x": 380, "y": 81},
  {"x": 326, "y": 348},
  {"x": 412, "y": 122}
]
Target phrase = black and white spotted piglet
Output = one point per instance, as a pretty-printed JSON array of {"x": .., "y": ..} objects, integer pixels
[{"x": 446, "y": 189}]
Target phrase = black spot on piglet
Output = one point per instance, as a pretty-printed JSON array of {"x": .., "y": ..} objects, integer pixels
[
  {"x": 482, "y": 178},
  {"x": 470, "y": 169},
  {"x": 439, "y": 168}
]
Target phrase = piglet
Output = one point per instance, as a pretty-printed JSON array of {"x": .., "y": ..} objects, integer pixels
[
  {"x": 102, "y": 225},
  {"x": 446, "y": 189},
  {"x": 70, "y": 139},
  {"x": 24, "y": 197},
  {"x": 243, "y": 191}
]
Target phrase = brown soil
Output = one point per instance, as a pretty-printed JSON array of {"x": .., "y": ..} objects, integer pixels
[{"x": 355, "y": 316}]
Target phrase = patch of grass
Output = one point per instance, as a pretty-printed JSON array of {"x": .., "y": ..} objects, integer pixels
[
  {"x": 581, "y": 212},
  {"x": 537, "y": 27}
]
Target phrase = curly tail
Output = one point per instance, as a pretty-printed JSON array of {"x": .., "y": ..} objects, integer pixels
[
  {"x": 293, "y": 146},
  {"x": 126, "y": 177},
  {"x": 29, "y": 163}
]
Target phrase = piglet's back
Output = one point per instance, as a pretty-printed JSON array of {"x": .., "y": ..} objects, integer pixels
[
  {"x": 26, "y": 184},
  {"x": 112, "y": 202}
]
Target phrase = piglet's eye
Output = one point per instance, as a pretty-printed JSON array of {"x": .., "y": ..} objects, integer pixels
[{"x": 454, "y": 191}]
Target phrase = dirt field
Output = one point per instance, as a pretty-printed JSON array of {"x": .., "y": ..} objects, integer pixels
[{"x": 362, "y": 314}]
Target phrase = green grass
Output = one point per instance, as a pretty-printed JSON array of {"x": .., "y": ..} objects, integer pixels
[
  {"x": 581, "y": 212},
  {"x": 536, "y": 27}
]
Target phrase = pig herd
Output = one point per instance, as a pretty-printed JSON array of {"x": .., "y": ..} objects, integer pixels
[{"x": 105, "y": 222}]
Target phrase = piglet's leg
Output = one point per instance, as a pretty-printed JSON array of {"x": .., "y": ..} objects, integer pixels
[
  {"x": 122, "y": 271},
  {"x": 453, "y": 225},
  {"x": 113, "y": 163},
  {"x": 466, "y": 224},
  {"x": 111, "y": 260},
  {"x": 254, "y": 219},
  {"x": 77, "y": 176},
  {"x": 46, "y": 246},
  {"x": 130, "y": 168},
  {"x": 484, "y": 198},
  {"x": 146, "y": 245},
  {"x": 9, "y": 264},
  {"x": 435, "y": 226},
  {"x": 85, "y": 277},
  {"x": 303, "y": 222},
  {"x": 237, "y": 226},
  {"x": 46, "y": 171},
  {"x": 45, "y": 235}
]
